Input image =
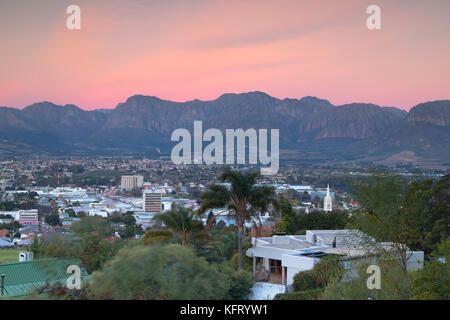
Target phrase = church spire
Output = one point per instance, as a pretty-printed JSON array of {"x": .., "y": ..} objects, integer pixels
[{"x": 328, "y": 202}]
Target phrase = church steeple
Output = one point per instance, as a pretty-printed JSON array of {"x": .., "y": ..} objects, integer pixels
[{"x": 328, "y": 201}]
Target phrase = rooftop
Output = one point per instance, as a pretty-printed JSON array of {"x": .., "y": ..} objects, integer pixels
[
  {"x": 23, "y": 277},
  {"x": 340, "y": 242}
]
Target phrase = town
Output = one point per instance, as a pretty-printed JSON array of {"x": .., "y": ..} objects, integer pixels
[{"x": 86, "y": 211}]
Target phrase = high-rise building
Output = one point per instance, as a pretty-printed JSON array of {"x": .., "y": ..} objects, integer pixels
[
  {"x": 28, "y": 217},
  {"x": 327, "y": 201},
  {"x": 131, "y": 182},
  {"x": 152, "y": 201}
]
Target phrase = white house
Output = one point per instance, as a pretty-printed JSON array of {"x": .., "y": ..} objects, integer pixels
[{"x": 278, "y": 258}]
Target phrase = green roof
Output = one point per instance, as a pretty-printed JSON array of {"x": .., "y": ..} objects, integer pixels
[{"x": 23, "y": 277}]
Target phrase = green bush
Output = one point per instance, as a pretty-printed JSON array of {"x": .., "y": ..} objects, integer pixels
[
  {"x": 432, "y": 282},
  {"x": 305, "y": 280},
  {"x": 239, "y": 283},
  {"x": 313, "y": 294},
  {"x": 169, "y": 272},
  {"x": 328, "y": 268},
  {"x": 158, "y": 236},
  {"x": 246, "y": 261}
]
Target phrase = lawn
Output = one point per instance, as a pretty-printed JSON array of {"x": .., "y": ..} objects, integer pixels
[{"x": 10, "y": 255}]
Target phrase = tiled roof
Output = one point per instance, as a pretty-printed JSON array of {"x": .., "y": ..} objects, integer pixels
[{"x": 23, "y": 277}]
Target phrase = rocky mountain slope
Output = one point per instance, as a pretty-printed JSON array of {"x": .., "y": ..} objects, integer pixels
[{"x": 308, "y": 125}]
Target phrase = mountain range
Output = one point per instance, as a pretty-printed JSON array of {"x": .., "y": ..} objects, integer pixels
[{"x": 310, "y": 128}]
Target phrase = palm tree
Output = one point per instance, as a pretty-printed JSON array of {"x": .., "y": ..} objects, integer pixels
[
  {"x": 180, "y": 220},
  {"x": 241, "y": 197}
]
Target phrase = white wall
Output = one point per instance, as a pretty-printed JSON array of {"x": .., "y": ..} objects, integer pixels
[
  {"x": 269, "y": 252},
  {"x": 295, "y": 264},
  {"x": 266, "y": 291},
  {"x": 291, "y": 272},
  {"x": 415, "y": 260}
]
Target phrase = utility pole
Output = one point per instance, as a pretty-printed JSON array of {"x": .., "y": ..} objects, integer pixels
[{"x": 3, "y": 283}]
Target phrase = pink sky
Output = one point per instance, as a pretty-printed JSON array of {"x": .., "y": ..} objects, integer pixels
[{"x": 182, "y": 50}]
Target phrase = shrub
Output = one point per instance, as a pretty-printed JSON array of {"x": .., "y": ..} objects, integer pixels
[
  {"x": 157, "y": 236},
  {"x": 305, "y": 280},
  {"x": 169, "y": 272},
  {"x": 240, "y": 283},
  {"x": 329, "y": 267},
  {"x": 313, "y": 294}
]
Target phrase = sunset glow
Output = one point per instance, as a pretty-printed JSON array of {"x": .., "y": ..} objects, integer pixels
[{"x": 198, "y": 49}]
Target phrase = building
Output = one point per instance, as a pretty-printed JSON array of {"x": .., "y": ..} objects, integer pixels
[
  {"x": 28, "y": 217},
  {"x": 327, "y": 201},
  {"x": 279, "y": 258},
  {"x": 145, "y": 220},
  {"x": 147, "y": 186},
  {"x": 5, "y": 243},
  {"x": 131, "y": 182},
  {"x": 98, "y": 205},
  {"x": 152, "y": 201},
  {"x": 100, "y": 213},
  {"x": 14, "y": 214},
  {"x": 321, "y": 194}
]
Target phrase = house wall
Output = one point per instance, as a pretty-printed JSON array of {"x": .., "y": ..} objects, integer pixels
[
  {"x": 295, "y": 264},
  {"x": 266, "y": 291},
  {"x": 291, "y": 272},
  {"x": 415, "y": 261},
  {"x": 269, "y": 252}
]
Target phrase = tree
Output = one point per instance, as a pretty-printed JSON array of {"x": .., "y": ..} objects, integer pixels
[
  {"x": 289, "y": 223},
  {"x": 91, "y": 248},
  {"x": 220, "y": 246},
  {"x": 71, "y": 213},
  {"x": 169, "y": 272},
  {"x": 319, "y": 220},
  {"x": 36, "y": 247},
  {"x": 305, "y": 280},
  {"x": 242, "y": 196},
  {"x": 393, "y": 284},
  {"x": 326, "y": 269},
  {"x": 136, "y": 192},
  {"x": 317, "y": 202},
  {"x": 81, "y": 214},
  {"x": 180, "y": 220},
  {"x": 92, "y": 225},
  {"x": 305, "y": 197},
  {"x": 240, "y": 283},
  {"x": 53, "y": 220},
  {"x": 157, "y": 236},
  {"x": 405, "y": 215},
  {"x": 32, "y": 195},
  {"x": 432, "y": 282},
  {"x": 329, "y": 267},
  {"x": 437, "y": 231}
]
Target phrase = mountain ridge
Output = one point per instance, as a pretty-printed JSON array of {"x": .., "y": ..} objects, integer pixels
[{"x": 309, "y": 124}]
